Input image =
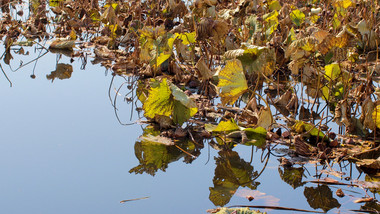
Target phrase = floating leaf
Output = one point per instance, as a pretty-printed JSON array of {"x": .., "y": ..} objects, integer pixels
[
  {"x": 246, "y": 210},
  {"x": 226, "y": 126},
  {"x": 157, "y": 139},
  {"x": 256, "y": 136},
  {"x": 62, "y": 44},
  {"x": 232, "y": 82}
]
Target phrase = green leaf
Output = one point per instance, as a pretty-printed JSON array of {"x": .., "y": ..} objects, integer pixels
[
  {"x": 184, "y": 106},
  {"x": 297, "y": 17},
  {"x": 232, "y": 83},
  {"x": 256, "y": 136},
  {"x": 274, "y": 5},
  {"x": 159, "y": 101}
]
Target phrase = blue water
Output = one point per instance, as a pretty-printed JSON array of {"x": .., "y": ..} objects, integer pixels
[{"x": 63, "y": 151}]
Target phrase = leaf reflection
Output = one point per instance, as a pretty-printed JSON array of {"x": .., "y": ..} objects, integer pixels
[
  {"x": 231, "y": 172},
  {"x": 292, "y": 176},
  {"x": 63, "y": 71},
  {"x": 321, "y": 197},
  {"x": 154, "y": 156}
]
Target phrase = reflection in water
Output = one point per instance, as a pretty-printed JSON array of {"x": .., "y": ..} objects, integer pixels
[
  {"x": 292, "y": 176},
  {"x": 154, "y": 156},
  {"x": 62, "y": 71},
  {"x": 231, "y": 172},
  {"x": 321, "y": 197}
]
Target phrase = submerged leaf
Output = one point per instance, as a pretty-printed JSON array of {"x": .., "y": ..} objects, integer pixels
[{"x": 232, "y": 82}]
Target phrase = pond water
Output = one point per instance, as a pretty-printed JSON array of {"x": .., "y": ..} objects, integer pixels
[{"x": 63, "y": 151}]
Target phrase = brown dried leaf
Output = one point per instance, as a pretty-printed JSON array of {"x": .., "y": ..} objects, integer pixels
[{"x": 204, "y": 72}]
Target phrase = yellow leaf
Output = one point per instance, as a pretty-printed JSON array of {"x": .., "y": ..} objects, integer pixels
[
  {"x": 159, "y": 101},
  {"x": 232, "y": 82},
  {"x": 73, "y": 35},
  {"x": 297, "y": 17},
  {"x": 376, "y": 116},
  {"x": 226, "y": 126},
  {"x": 161, "y": 59},
  {"x": 332, "y": 71},
  {"x": 342, "y": 3}
]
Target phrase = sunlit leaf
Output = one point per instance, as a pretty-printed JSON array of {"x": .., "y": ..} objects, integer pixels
[
  {"x": 232, "y": 82},
  {"x": 342, "y": 3},
  {"x": 187, "y": 38},
  {"x": 265, "y": 118},
  {"x": 62, "y": 44},
  {"x": 376, "y": 116},
  {"x": 159, "y": 101},
  {"x": 162, "y": 58},
  {"x": 157, "y": 139},
  {"x": 297, "y": 17},
  {"x": 336, "y": 22},
  {"x": 272, "y": 22},
  {"x": 226, "y": 126},
  {"x": 332, "y": 71}
]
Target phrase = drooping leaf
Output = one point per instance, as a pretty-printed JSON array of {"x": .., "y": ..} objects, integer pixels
[
  {"x": 232, "y": 82},
  {"x": 159, "y": 101},
  {"x": 184, "y": 106}
]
